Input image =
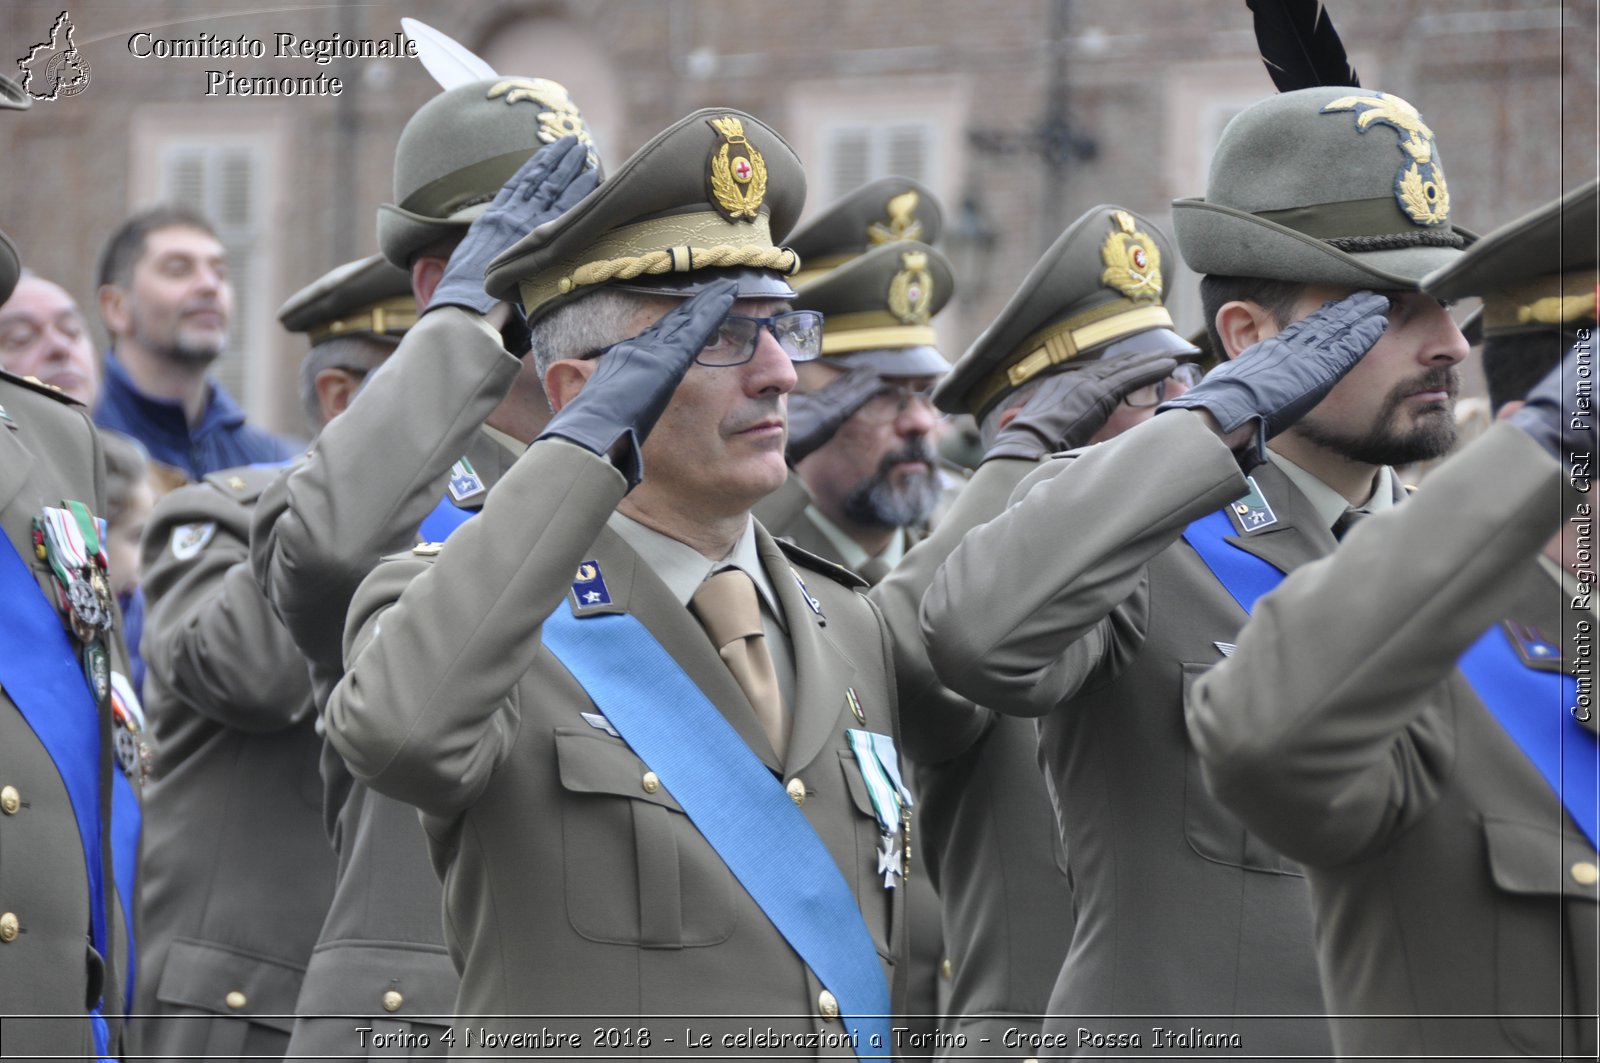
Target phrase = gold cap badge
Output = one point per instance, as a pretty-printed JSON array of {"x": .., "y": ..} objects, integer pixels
[
  {"x": 900, "y": 221},
  {"x": 558, "y": 115},
  {"x": 738, "y": 173},
  {"x": 911, "y": 289},
  {"x": 1419, "y": 185},
  {"x": 1132, "y": 261}
]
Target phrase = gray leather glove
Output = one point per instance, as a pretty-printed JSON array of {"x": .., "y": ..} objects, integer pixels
[
  {"x": 1550, "y": 413},
  {"x": 1277, "y": 381},
  {"x": 816, "y": 415},
  {"x": 1069, "y": 407},
  {"x": 635, "y": 379},
  {"x": 542, "y": 189}
]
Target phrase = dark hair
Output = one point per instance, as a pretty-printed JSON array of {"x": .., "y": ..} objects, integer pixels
[
  {"x": 1514, "y": 363},
  {"x": 1278, "y": 298},
  {"x": 127, "y": 462},
  {"x": 126, "y": 246}
]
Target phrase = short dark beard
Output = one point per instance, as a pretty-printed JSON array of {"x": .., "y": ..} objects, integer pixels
[
  {"x": 877, "y": 502},
  {"x": 1387, "y": 445},
  {"x": 193, "y": 354}
]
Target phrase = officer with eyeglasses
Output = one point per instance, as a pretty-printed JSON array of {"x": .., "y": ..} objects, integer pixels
[
  {"x": 653, "y": 747},
  {"x": 862, "y": 429}
]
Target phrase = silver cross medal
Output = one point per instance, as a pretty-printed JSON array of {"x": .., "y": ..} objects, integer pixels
[{"x": 889, "y": 860}]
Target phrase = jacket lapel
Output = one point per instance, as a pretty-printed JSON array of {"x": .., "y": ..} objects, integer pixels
[
  {"x": 822, "y": 670},
  {"x": 636, "y": 590},
  {"x": 1297, "y": 537}
]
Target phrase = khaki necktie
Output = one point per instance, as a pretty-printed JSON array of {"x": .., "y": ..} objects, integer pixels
[
  {"x": 1347, "y": 520},
  {"x": 727, "y": 608}
]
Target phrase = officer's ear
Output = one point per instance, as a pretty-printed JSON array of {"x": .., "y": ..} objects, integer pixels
[
  {"x": 336, "y": 389},
  {"x": 426, "y": 272},
  {"x": 114, "y": 309},
  {"x": 564, "y": 379},
  {"x": 1242, "y": 323}
]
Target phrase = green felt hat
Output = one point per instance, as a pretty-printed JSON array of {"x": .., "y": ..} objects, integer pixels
[
  {"x": 708, "y": 197},
  {"x": 1097, "y": 293},
  {"x": 12, "y": 98},
  {"x": 460, "y": 148},
  {"x": 369, "y": 297},
  {"x": 1327, "y": 185},
  {"x": 1538, "y": 272}
]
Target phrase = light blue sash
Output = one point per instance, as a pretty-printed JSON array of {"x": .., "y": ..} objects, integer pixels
[
  {"x": 735, "y": 802},
  {"x": 1530, "y": 704},
  {"x": 40, "y": 669}
]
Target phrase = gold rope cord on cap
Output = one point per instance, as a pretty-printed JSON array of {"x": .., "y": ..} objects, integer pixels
[
  {"x": 390, "y": 317},
  {"x": 848, "y": 341},
  {"x": 1543, "y": 301},
  {"x": 1062, "y": 342},
  {"x": 675, "y": 244}
]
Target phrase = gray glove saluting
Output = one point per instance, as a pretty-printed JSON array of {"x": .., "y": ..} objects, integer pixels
[
  {"x": 1070, "y": 407},
  {"x": 635, "y": 379},
  {"x": 1277, "y": 381},
  {"x": 550, "y": 182},
  {"x": 815, "y": 416},
  {"x": 1550, "y": 415}
]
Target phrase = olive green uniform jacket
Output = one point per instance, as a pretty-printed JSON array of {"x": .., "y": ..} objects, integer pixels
[
  {"x": 987, "y": 829},
  {"x": 371, "y": 478},
  {"x": 1081, "y": 606},
  {"x": 1451, "y": 888},
  {"x": 238, "y": 870},
  {"x": 574, "y": 883},
  {"x": 48, "y": 452}
]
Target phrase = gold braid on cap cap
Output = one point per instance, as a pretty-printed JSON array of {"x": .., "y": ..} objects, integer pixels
[
  {"x": 1543, "y": 301},
  {"x": 680, "y": 243},
  {"x": 392, "y": 317}
]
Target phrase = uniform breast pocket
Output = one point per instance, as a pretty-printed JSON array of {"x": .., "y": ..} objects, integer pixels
[
  {"x": 1211, "y": 830},
  {"x": 637, "y": 871},
  {"x": 1545, "y": 928}
]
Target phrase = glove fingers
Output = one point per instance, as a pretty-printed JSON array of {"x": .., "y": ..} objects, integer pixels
[
  {"x": 580, "y": 187},
  {"x": 566, "y": 168},
  {"x": 691, "y": 324},
  {"x": 525, "y": 183}
]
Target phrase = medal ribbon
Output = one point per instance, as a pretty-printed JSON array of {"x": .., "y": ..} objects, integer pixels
[{"x": 881, "y": 772}]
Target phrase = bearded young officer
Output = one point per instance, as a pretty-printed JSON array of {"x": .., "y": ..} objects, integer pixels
[
  {"x": 417, "y": 451},
  {"x": 1107, "y": 606},
  {"x": 70, "y": 764},
  {"x": 700, "y": 717},
  {"x": 238, "y": 871},
  {"x": 1406, "y": 717}
]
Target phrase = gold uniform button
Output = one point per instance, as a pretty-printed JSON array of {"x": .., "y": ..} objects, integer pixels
[
  {"x": 827, "y": 1005},
  {"x": 10, "y": 800},
  {"x": 9, "y": 927},
  {"x": 392, "y": 1001},
  {"x": 651, "y": 782},
  {"x": 235, "y": 1000},
  {"x": 946, "y": 970},
  {"x": 236, "y": 483},
  {"x": 1585, "y": 873},
  {"x": 797, "y": 791}
]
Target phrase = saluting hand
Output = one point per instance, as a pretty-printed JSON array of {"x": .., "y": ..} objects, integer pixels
[
  {"x": 635, "y": 379},
  {"x": 814, "y": 416},
  {"x": 1069, "y": 407},
  {"x": 1272, "y": 384},
  {"x": 553, "y": 179}
]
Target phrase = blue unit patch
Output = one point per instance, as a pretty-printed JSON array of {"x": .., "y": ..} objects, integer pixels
[{"x": 589, "y": 587}]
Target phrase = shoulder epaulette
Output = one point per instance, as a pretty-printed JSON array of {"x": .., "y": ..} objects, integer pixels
[
  {"x": 245, "y": 483},
  {"x": 806, "y": 559},
  {"x": 33, "y": 383}
]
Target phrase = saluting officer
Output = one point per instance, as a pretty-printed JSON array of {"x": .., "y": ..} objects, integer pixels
[
  {"x": 1083, "y": 351},
  {"x": 420, "y": 448},
  {"x": 1117, "y": 590},
  {"x": 1406, "y": 717},
  {"x": 652, "y": 746},
  {"x": 239, "y": 870},
  {"x": 69, "y": 745}
]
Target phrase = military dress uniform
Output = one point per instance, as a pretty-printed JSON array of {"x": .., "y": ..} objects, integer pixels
[
  {"x": 413, "y": 444},
  {"x": 1454, "y": 888},
  {"x": 611, "y": 901},
  {"x": 986, "y": 812},
  {"x": 230, "y": 915},
  {"x": 1184, "y": 917},
  {"x": 68, "y": 824}
]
